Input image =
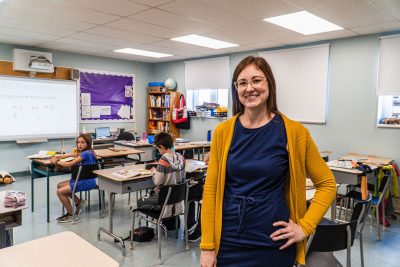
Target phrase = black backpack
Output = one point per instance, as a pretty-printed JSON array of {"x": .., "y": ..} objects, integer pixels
[{"x": 143, "y": 234}]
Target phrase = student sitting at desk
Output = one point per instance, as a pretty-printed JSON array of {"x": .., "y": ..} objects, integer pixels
[
  {"x": 170, "y": 170},
  {"x": 84, "y": 156}
]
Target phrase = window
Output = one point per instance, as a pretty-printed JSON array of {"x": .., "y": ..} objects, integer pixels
[
  {"x": 388, "y": 89},
  {"x": 199, "y": 97},
  {"x": 389, "y": 110}
]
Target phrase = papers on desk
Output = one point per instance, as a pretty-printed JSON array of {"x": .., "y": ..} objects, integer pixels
[
  {"x": 181, "y": 140},
  {"x": 131, "y": 173},
  {"x": 194, "y": 165},
  {"x": 345, "y": 164},
  {"x": 43, "y": 154},
  {"x": 67, "y": 159},
  {"x": 205, "y": 143}
]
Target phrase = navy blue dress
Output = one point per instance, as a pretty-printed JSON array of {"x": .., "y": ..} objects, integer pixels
[{"x": 254, "y": 198}]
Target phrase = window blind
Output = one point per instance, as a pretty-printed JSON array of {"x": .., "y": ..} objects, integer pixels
[{"x": 207, "y": 74}]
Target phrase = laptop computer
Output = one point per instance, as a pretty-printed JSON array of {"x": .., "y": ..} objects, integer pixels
[{"x": 102, "y": 132}]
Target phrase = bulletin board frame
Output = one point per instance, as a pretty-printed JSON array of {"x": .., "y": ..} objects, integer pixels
[{"x": 106, "y": 97}]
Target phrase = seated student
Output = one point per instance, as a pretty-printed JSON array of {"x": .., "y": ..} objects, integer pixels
[
  {"x": 170, "y": 170},
  {"x": 84, "y": 156}
]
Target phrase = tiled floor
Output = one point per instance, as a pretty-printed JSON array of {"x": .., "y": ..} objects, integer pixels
[{"x": 383, "y": 253}]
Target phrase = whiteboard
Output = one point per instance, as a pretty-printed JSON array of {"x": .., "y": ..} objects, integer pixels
[
  {"x": 33, "y": 108},
  {"x": 301, "y": 77}
]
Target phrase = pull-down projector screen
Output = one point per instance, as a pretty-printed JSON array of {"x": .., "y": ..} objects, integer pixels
[{"x": 33, "y": 108}]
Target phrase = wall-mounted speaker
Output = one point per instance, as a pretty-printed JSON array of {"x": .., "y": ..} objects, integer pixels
[{"x": 74, "y": 74}]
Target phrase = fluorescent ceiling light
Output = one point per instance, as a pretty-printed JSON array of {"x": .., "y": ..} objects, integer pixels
[
  {"x": 304, "y": 23},
  {"x": 203, "y": 41},
  {"x": 142, "y": 53}
]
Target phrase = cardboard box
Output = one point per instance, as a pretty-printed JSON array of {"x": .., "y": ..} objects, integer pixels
[{"x": 157, "y": 89}]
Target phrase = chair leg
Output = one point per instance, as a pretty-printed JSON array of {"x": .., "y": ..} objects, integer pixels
[
  {"x": 185, "y": 215},
  {"x": 133, "y": 228},
  {"x": 88, "y": 198},
  {"x": 159, "y": 261},
  {"x": 129, "y": 198},
  {"x": 361, "y": 249},
  {"x": 378, "y": 227}
]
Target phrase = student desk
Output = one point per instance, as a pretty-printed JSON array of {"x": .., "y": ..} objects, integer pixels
[
  {"x": 11, "y": 216},
  {"x": 200, "y": 146},
  {"x": 146, "y": 147},
  {"x": 43, "y": 168},
  {"x": 64, "y": 249},
  {"x": 113, "y": 184}
]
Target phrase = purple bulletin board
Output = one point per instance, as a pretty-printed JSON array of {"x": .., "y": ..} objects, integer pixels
[{"x": 106, "y": 97}]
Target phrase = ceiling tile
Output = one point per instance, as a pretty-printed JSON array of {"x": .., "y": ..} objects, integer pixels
[
  {"x": 352, "y": 13},
  {"x": 84, "y": 36},
  {"x": 134, "y": 38},
  {"x": 34, "y": 27},
  {"x": 313, "y": 4},
  {"x": 19, "y": 40},
  {"x": 392, "y": 7},
  {"x": 32, "y": 15},
  {"x": 144, "y": 28},
  {"x": 376, "y": 28},
  {"x": 333, "y": 35},
  {"x": 116, "y": 7},
  {"x": 258, "y": 8},
  {"x": 153, "y": 3},
  {"x": 296, "y": 40},
  {"x": 206, "y": 12},
  {"x": 172, "y": 21},
  {"x": 58, "y": 10},
  {"x": 27, "y": 34}
]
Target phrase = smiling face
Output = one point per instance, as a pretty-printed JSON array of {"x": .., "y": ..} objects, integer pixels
[{"x": 252, "y": 88}]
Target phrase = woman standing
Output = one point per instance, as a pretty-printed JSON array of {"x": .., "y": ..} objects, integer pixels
[{"x": 254, "y": 206}]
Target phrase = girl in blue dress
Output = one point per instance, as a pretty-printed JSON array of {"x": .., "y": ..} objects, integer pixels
[{"x": 84, "y": 156}]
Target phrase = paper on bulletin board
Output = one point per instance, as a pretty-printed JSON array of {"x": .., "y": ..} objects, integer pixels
[
  {"x": 95, "y": 112},
  {"x": 85, "y": 99},
  {"x": 128, "y": 91},
  {"x": 105, "y": 110},
  {"x": 86, "y": 113},
  {"x": 124, "y": 112}
]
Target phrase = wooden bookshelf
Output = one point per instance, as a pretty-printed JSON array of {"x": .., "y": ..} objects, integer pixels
[{"x": 160, "y": 105}]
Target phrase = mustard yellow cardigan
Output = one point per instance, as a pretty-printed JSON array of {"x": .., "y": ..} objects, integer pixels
[{"x": 304, "y": 160}]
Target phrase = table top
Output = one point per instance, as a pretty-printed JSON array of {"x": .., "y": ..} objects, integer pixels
[
  {"x": 133, "y": 143},
  {"x": 64, "y": 249},
  {"x": 7, "y": 210},
  {"x": 374, "y": 160},
  {"x": 107, "y": 153},
  {"x": 108, "y": 173},
  {"x": 191, "y": 145}
]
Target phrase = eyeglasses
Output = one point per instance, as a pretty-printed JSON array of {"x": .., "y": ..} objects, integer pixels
[{"x": 256, "y": 82}]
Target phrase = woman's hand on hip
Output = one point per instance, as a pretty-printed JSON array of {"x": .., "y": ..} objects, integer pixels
[
  {"x": 208, "y": 258},
  {"x": 290, "y": 231}
]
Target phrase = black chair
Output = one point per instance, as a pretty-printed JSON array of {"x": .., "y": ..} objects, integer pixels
[
  {"x": 127, "y": 136},
  {"x": 83, "y": 172},
  {"x": 330, "y": 236},
  {"x": 360, "y": 211},
  {"x": 168, "y": 195}
]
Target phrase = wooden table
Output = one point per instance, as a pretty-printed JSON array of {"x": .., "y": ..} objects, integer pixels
[
  {"x": 200, "y": 146},
  {"x": 371, "y": 160},
  {"x": 113, "y": 184},
  {"x": 43, "y": 168},
  {"x": 64, "y": 249},
  {"x": 146, "y": 147},
  {"x": 11, "y": 216}
]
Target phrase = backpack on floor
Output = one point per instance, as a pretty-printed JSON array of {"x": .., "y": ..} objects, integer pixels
[{"x": 143, "y": 234}]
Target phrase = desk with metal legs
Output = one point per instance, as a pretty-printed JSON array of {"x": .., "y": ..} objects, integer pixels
[
  {"x": 43, "y": 168},
  {"x": 113, "y": 184}
]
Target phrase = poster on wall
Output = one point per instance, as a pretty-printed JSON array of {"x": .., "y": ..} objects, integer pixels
[{"x": 106, "y": 97}]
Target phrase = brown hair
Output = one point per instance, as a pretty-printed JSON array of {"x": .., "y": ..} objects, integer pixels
[
  {"x": 262, "y": 64},
  {"x": 88, "y": 140},
  {"x": 164, "y": 139}
]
